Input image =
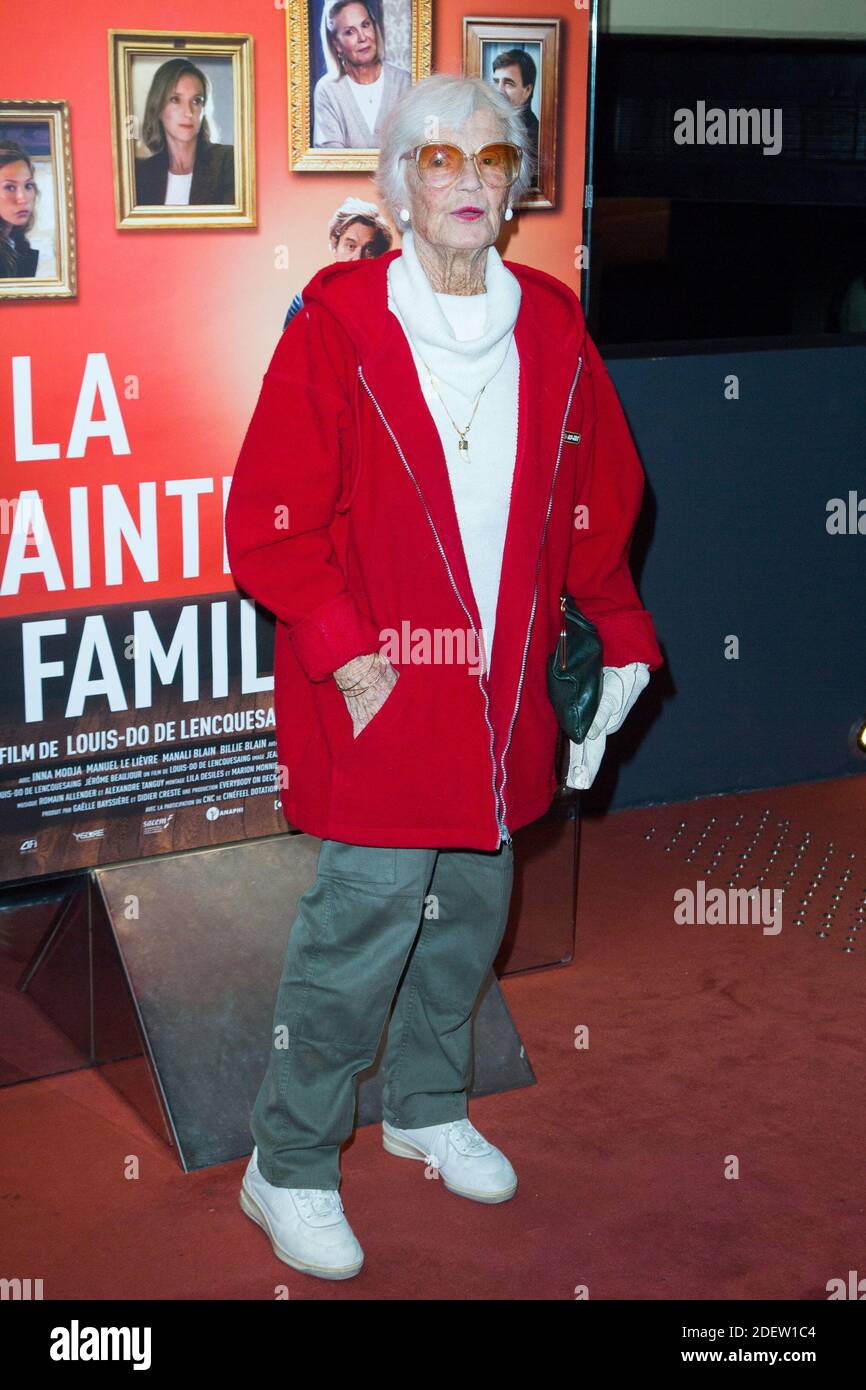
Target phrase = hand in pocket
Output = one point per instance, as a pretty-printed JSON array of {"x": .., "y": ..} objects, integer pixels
[{"x": 375, "y": 680}]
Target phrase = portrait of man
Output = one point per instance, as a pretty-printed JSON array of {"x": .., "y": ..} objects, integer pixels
[
  {"x": 356, "y": 232},
  {"x": 521, "y": 58},
  {"x": 515, "y": 74}
]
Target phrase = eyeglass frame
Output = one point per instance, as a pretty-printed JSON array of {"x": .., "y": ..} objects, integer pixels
[{"x": 413, "y": 154}]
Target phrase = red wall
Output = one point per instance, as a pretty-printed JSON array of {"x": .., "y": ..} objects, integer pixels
[{"x": 195, "y": 314}]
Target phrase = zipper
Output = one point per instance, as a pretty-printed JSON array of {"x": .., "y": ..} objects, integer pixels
[
  {"x": 535, "y": 591},
  {"x": 500, "y": 820},
  {"x": 498, "y": 792}
]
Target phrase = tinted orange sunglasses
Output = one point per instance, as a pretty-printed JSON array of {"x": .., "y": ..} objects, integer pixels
[{"x": 440, "y": 164}]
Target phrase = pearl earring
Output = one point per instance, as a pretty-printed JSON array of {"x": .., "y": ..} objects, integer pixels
[
  {"x": 508, "y": 214},
  {"x": 404, "y": 214}
]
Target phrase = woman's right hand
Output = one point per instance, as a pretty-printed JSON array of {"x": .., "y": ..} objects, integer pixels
[{"x": 375, "y": 678}]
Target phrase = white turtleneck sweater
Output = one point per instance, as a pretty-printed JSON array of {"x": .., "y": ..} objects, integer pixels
[
  {"x": 467, "y": 341},
  {"x": 481, "y": 485}
]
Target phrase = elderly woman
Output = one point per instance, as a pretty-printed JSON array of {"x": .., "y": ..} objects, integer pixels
[
  {"x": 437, "y": 454},
  {"x": 354, "y": 98}
]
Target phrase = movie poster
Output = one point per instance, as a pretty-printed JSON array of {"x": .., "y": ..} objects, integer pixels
[{"x": 166, "y": 192}]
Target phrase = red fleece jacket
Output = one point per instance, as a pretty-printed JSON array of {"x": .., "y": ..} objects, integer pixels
[{"x": 340, "y": 520}]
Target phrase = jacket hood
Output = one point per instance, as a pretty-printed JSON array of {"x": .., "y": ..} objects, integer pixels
[{"x": 356, "y": 294}]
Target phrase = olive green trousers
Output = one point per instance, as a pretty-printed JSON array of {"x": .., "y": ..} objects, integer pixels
[{"x": 425, "y": 922}]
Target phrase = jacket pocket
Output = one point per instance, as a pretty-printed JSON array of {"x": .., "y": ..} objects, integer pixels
[{"x": 381, "y": 712}]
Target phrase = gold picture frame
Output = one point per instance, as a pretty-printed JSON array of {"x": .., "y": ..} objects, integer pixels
[
  {"x": 487, "y": 37},
  {"x": 417, "y": 30},
  {"x": 139, "y": 135},
  {"x": 42, "y": 130}
]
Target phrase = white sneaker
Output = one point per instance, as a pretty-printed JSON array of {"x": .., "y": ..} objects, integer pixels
[
  {"x": 470, "y": 1166},
  {"x": 306, "y": 1225}
]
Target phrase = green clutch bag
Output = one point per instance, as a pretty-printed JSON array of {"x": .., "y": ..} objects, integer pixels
[{"x": 574, "y": 672}]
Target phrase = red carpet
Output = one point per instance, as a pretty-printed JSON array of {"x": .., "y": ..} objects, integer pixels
[{"x": 709, "y": 1045}]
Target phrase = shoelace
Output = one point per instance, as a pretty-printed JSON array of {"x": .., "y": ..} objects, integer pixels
[
  {"x": 319, "y": 1201},
  {"x": 468, "y": 1141},
  {"x": 468, "y": 1135}
]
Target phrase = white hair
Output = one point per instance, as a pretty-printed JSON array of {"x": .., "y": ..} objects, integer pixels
[
  {"x": 331, "y": 11},
  {"x": 443, "y": 100}
]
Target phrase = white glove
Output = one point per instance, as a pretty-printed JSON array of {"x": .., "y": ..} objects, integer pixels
[{"x": 621, "y": 686}]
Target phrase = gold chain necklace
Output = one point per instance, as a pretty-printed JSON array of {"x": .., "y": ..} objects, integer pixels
[{"x": 463, "y": 446}]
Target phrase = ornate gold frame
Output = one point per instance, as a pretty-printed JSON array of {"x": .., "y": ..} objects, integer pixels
[
  {"x": 123, "y": 44},
  {"x": 65, "y": 284},
  {"x": 303, "y": 155},
  {"x": 546, "y": 32}
]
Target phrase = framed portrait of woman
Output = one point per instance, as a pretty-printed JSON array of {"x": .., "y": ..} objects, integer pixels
[
  {"x": 521, "y": 58},
  {"x": 182, "y": 119},
  {"x": 349, "y": 61},
  {"x": 37, "y": 218}
]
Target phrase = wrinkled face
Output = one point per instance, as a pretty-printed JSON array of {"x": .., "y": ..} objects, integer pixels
[
  {"x": 354, "y": 242},
  {"x": 510, "y": 84},
  {"x": 17, "y": 193},
  {"x": 182, "y": 114},
  {"x": 467, "y": 214},
  {"x": 355, "y": 35}
]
